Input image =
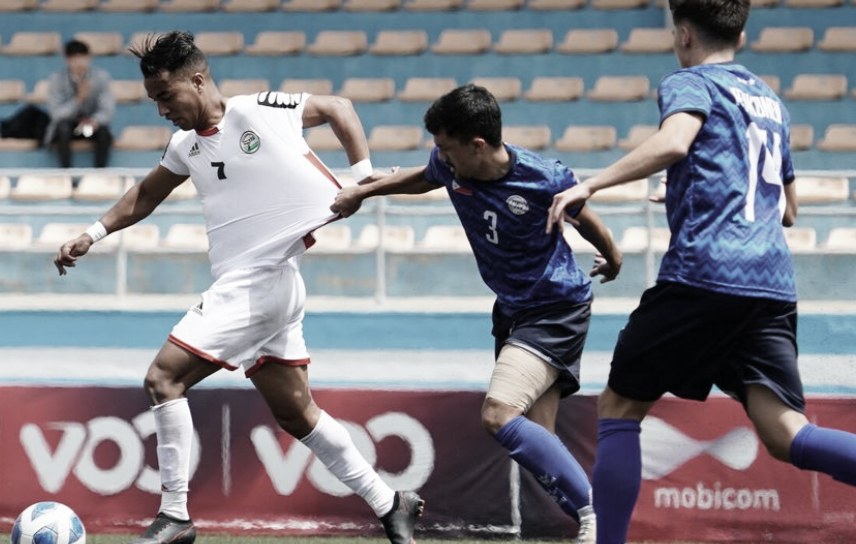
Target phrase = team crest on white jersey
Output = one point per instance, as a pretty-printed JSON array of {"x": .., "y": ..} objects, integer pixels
[
  {"x": 250, "y": 142},
  {"x": 517, "y": 204}
]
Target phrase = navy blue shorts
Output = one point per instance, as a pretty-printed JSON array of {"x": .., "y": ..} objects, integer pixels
[
  {"x": 555, "y": 331},
  {"x": 684, "y": 340}
]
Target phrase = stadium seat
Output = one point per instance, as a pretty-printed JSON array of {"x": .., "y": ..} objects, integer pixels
[
  {"x": 838, "y": 38},
  {"x": 371, "y": 5},
  {"x": 311, "y": 86},
  {"x": 25, "y": 43},
  {"x": 138, "y": 237},
  {"x": 555, "y": 5},
  {"x": 276, "y": 42},
  {"x": 15, "y": 235},
  {"x": 632, "y": 191},
  {"x": 189, "y": 6},
  {"x": 763, "y": 3},
  {"x": 802, "y": 137},
  {"x": 554, "y": 89},
  {"x": 636, "y": 239},
  {"x": 504, "y": 89},
  {"x": 456, "y": 41},
  {"x": 69, "y": 5},
  {"x": 784, "y": 40},
  {"x": 619, "y": 89},
  {"x": 524, "y": 41},
  {"x": 128, "y": 91},
  {"x": 185, "y": 191},
  {"x": 359, "y": 89},
  {"x": 12, "y": 90},
  {"x": 235, "y": 87},
  {"x": 129, "y": 6},
  {"x": 143, "y": 138},
  {"x": 648, "y": 40},
  {"x": 338, "y": 43},
  {"x": 426, "y": 89},
  {"x": 534, "y": 137},
  {"x": 838, "y": 137},
  {"x": 586, "y": 138},
  {"x": 841, "y": 239},
  {"x": 18, "y": 144},
  {"x": 801, "y": 238},
  {"x": 312, "y": 5},
  {"x": 395, "y": 137},
  {"x": 11, "y": 6},
  {"x": 399, "y": 42},
  {"x": 445, "y": 238},
  {"x": 99, "y": 187},
  {"x": 577, "y": 242},
  {"x": 35, "y": 187},
  {"x": 39, "y": 94},
  {"x": 813, "y": 3},
  {"x": 249, "y": 6},
  {"x": 822, "y": 189},
  {"x": 494, "y": 5},
  {"x": 322, "y": 139},
  {"x": 220, "y": 43},
  {"x": 5, "y": 187},
  {"x": 619, "y": 4},
  {"x": 332, "y": 238},
  {"x": 773, "y": 82},
  {"x": 433, "y": 5},
  {"x": 636, "y": 135},
  {"x": 102, "y": 43},
  {"x": 55, "y": 234},
  {"x": 395, "y": 237},
  {"x": 185, "y": 237},
  {"x": 587, "y": 41},
  {"x": 817, "y": 87}
]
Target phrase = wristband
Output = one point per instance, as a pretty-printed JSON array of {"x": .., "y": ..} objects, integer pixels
[
  {"x": 362, "y": 169},
  {"x": 96, "y": 231}
]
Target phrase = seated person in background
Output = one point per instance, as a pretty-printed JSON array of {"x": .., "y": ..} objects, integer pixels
[{"x": 81, "y": 105}]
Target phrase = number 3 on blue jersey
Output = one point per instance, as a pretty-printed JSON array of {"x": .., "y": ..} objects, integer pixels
[
  {"x": 492, "y": 235},
  {"x": 772, "y": 171}
]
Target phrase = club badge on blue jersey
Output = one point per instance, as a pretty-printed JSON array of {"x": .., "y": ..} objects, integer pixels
[{"x": 517, "y": 204}]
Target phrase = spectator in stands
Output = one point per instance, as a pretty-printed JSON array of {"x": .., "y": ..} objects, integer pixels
[
  {"x": 81, "y": 106},
  {"x": 263, "y": 192},
  {"x": 501, "y": 193},
  {"x": 723, "y": 311}
]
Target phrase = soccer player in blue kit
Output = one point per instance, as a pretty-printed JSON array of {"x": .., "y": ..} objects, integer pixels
[
  {"x": 501, "y": 194},
  {"x": 723, "y": 311}
]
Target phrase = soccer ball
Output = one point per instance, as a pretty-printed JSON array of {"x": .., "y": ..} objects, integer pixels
[{"x": 48, "y": 523}]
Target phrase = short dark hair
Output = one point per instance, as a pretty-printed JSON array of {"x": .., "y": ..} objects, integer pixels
[
  {"x": 464, "y": 113},
  {"x": 76, "y": 47},
  {"x": 174, "y": 52},
  {"x": 720, "y": 21}
]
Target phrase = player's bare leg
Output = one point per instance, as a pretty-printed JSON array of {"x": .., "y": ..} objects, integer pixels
[{"x": 286, "y": 390}]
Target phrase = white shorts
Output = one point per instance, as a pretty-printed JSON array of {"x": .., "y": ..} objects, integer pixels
[{"x": 248, "y": 318}]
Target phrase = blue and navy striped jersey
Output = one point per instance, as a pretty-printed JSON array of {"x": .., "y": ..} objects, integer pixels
[
  {"x": 505, "y": 222},
  {"x": 725, "y": 199}
]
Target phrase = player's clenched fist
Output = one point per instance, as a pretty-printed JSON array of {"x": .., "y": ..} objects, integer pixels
[{"x": 70, "y": 251}]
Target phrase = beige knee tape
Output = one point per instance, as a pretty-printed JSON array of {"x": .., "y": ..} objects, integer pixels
[{"x": 520, "y": 377}]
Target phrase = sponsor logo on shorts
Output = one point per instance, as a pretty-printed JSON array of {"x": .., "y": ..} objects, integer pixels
[{"x": 250, "y": 142}]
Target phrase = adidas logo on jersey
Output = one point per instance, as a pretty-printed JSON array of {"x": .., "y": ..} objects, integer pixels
[{"x": 194, "y": 150}]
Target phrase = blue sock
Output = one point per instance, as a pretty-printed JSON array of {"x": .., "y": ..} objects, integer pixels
[
  {"x": 826, "y": 450},
  {"x": 617, "y": 477},
  {"x": 542, "y": 453}
]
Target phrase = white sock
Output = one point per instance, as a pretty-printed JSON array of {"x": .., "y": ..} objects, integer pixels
[
  {"x": 333, "y": 446},
  {"x": 174, "y": 428}
]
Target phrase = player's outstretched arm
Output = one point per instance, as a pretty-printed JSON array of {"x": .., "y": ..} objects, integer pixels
[
  {"x": 669, "y": 144},
  {"x": 340, "y": 114},
  {"x": 408, "y": 181},
  {"x": 136, "y": 204},
  {"x": 790, "y": 216},
  {"x": 607, "y": 262}
]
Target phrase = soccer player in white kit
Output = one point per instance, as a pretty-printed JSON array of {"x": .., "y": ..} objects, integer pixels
[{"x": 263, "y": 192}]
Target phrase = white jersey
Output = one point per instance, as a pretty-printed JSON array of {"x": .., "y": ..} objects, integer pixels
[{"x": 262, "y": 189}]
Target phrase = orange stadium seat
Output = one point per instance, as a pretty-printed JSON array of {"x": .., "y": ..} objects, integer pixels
[
  {"x": 235, "y": 87},
  {"x": 339, "y": 43},
  {"x": 817, "y": 87},
  {"x": 586, "y": 138},
  {"x": 524, "y": 41},
  {"x": 102, "y": 43},
  {"x": 802, "y": 137},
  {"x": 128, "y": 91},
  {"x": 18, "y": 5},
  {"x": 554, "y": 89},
  {"x": 189, "y": 6},
  {"x": 18, "y": 144},
  {"x": 773, "y": 82},
  {"x": 842, "y": 239},
  {"x": 555, "y": 5},
  {"x": 456, "y": 41},
  {"x": 504, "y": 89},
  {"x": 311, "y": 86},
  {"x": 277, "y": 42},
  {"x": 39, "y": 94},
  {"x": 588, "y": 41},
  {"x": 312, "y": 5},
  {"x": 838, "y": 137},
  {"x": 99, "y": 187},
  {"x": 495, "y": 5},
  {"x": 399, "y": 42},
  {"x": 359, "y": 89},
  {"x": 426, "y": 89},
  {"x": 15, "y": 235},
  {"x": 35, "y": 187},
  {"x": 25, "y": 43},
  {"x": 371, "y": 5},
  {"x": 12, "y": 90},
  {"x": 813, "y": 3},
  {"x": 130, "y": 6},
  {"x": 143, "y": 138},
  {"x": 648, "y": 40},
  {"x": 822, "y": 189},
  {"x": 619, "y": 4},
  {"x": 220, "y": 43},
  {"x": 69, "y": 5},
  {"x": 534, "y": 137},
  {"x": 250, "y": 6},
  {"x": 838, "y": 38},
  {"x": 763, "y": 3},
  {"x": 784, "y": 40},
  {"x": 433, "y": 5},
  {"x": 619, "y": 89},
  {"x": 395, "y": 137}
]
